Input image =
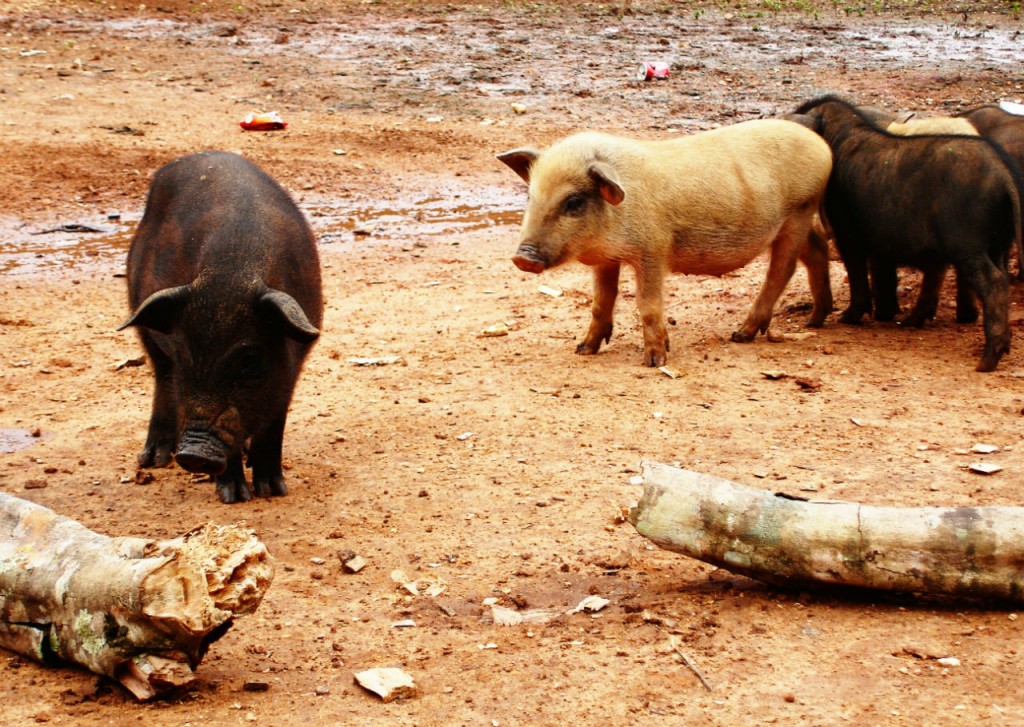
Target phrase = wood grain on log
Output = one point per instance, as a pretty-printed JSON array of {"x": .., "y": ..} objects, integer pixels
[
  {"x": 140, "y": 611},
  {"x": 959, "y": 551}
]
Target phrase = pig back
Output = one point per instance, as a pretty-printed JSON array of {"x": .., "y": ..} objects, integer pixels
[
  {"x": 218, "y": 216},
  {"x": 740, "y": 181}
]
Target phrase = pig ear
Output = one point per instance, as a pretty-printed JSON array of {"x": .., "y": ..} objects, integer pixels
[
  {"x": 291, "y": 315},
  {"x": 607, "y": 183},
  {"x": 159, "y": 311},
  {"x": 520, "y": 161}
]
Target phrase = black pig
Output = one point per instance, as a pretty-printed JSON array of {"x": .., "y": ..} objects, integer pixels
[
  {"x": 925, "y": 201},
  {"x": 224, "y": 282}
]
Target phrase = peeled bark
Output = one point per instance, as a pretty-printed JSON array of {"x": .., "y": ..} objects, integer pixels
[
  {"x": 958, "y": 551},
  {"x": 140, "y": 611}
]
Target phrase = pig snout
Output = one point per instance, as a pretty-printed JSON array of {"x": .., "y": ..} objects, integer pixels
[
  {"x": 529, "y": 259},
  {"x": 201, "y": 451}
]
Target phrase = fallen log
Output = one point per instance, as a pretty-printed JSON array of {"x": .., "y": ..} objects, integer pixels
[
  {"x": 975, "y": 552},
  {"x": 139, "y": 611}
]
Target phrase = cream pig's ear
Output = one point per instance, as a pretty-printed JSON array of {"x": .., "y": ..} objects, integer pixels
[
  {"x": 607, "y": 182},
  {"x": 519, "y": 161}
]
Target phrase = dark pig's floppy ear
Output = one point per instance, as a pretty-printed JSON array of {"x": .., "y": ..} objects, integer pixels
[
  {"x": 159, "y": 311},
  {"x": 519, "y": 161},
  {"x": 290, "y": 314}
]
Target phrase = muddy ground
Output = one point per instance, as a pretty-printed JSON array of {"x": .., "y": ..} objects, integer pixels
[{"x": 497, "y": 465}]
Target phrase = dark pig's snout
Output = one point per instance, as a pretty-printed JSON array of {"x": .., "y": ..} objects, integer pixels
[
  {"x": 202, "y": 452},
  {"x": 529, "y": 259}
]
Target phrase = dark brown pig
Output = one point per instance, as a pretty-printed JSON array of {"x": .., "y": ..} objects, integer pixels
[
  {"x": 704, "y": 204},
  {"x": 224, "y": 284}
]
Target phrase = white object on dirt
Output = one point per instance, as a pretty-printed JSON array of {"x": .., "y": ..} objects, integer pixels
[
  {"x": 376, "y": 360},
  {"x": 388, "y": 683},
  {"x": 984, "y": 468},
  {"x": 548, "y": 290},
  {"x": 590, "y": 604}
]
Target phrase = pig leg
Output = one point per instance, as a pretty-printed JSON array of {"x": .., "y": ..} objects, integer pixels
[
  {"x": 650, "y": 278},
  {"x": 162, "y": 437},
  {"x": 884, "y": 283},
  {"x": 785, "y": 250},
  {"x": 966, "y": 308},
  {"x": 992, "y": 286},
  {"x": 606, "y": 289},
  {"x": 860, "y": 292},
  {"x": 927, "y": 304},
  {"x": 231, "y": 486},
  {"x": 265, "y": 458},
  {"x": 815, "y": 259}
]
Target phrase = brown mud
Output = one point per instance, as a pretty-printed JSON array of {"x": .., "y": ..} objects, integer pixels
[{"x": 497, "y": 466}]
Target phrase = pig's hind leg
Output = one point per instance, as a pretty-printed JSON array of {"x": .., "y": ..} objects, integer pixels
[
  {"x": 606, "y": 289},
  {"x": 786, "y": 247}
]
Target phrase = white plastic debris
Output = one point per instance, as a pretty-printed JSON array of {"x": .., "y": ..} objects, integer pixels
[
  {"x": 495, "y": 329},
  {"x": 984, "y": 468},
  {"x": 984, "y": 448},
  {"x": 548, "y": 290}
]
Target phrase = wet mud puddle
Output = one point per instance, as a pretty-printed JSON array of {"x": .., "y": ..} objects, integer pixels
[{"x": 80, "y": 246}]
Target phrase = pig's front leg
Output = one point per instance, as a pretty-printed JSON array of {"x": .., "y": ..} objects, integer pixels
[
  {"x": 231, "y": 485},
  {"x": 606, "y": 289},
  {"x": 649, "y": 279},
  {"x": 162, "y": 437},
  {"x": 265, "y": 458}
]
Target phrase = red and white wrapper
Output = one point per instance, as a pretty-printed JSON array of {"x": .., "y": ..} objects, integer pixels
[{"x": 652, "y": 69}]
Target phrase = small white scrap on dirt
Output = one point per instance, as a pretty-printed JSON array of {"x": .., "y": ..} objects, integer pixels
[
  {"x": 406, "y": 623},
  {"x": 317, "y": 560},
  {"x": 984, "y": 448},
  {"x": 670, "y": 372},
  {"x": 774, "y": 375},
  {"x": 464, "y": 436},
  {"x": 388, "y": 683},
  {"x": 129, "y": 363},
  {"x": 519, "y": 108},
  {"x": 1008, "y": 106},
  {"x": 636, "y": 480},
  {"x": 503, "y": 616},
  {"x": 376, "y": 360},
  {"x": 490, "y": 645},
  {"x": 495, "y": 329},
  {"x": 984, "y": 468},
  {"x": 429, "y": 585},
  {"x": 801, "y": 336},
  {"x": 948, "y": 661},
  {"x": 590, "y": 604},
  {"x": 548, "y": 290},
  {"x": 339, "y": 152},
  {"x": 856, "y": 421},
  {"x": 354, "y": 565}
]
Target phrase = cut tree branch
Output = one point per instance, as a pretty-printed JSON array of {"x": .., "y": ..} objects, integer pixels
[
  {"x": 140, "y": 611},
  {"x": 973, "y": 552}
]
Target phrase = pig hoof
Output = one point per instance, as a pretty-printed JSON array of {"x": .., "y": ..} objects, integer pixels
[
  {"x": 232, "y": 491},
  {"x": 585, "y": 349},
  {"x": 269, "y": 486},
  {"x": 654, "y": 359},
  {"x": 850, "y": 318},
  {"x": 742, "y": 337},
  {"x": 156, "y": 455}
]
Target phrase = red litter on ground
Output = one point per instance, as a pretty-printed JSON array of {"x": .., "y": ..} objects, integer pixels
[
  {"x": 269, "y": 121},
  {"x": 652, "y": 69}
]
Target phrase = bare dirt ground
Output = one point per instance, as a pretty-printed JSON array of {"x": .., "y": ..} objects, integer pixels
[{"x": 496, "y": 465}]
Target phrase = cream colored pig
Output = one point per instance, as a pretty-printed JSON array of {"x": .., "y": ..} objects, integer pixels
[
  {"x": 933, "y": 125},
  {"x": 705, "y": 204}
]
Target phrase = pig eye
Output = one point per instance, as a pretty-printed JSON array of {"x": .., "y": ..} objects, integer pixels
[
  {"x": 247, "y": 363},
  {"x": 574, "y": 204}
]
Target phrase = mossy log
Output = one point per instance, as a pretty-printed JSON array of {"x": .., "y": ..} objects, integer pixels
[
  {"x": 139, "y": 611},
  {"x": 975, "y": 552}
]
